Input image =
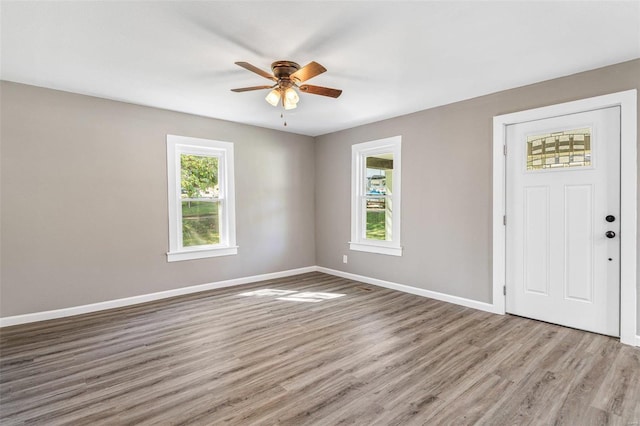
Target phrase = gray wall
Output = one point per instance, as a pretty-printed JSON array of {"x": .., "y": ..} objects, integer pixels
[
  {"x": 84, "y": 200},
  {"x": 446, "y": 185}
]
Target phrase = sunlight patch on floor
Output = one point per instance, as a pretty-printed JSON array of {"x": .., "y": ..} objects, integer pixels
[{"x": 294, "y": 296}]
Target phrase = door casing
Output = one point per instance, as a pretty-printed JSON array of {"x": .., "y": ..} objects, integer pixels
[{"x": 627, "y": 101}]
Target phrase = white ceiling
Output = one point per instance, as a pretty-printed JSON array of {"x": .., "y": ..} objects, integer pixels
[{"x": 390, "y": 58}]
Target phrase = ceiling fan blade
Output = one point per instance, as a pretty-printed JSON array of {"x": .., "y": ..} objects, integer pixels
[
  {"x": 308, "y": 71},
  {"x": 319, "y": 90},
  {"x": 252, "y": 68},
  {"x": 247, "y": 89}
]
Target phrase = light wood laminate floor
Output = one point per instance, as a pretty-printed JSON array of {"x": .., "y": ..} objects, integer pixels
[{"x": 372, "y": 356}]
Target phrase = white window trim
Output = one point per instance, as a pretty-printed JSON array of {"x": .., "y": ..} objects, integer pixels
[
  {"x": 358, "y": 215},
  {"x": 177, "y": 145}
]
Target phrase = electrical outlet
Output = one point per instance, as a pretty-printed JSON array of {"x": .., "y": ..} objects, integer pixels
[{"x": 344, "y": 258}]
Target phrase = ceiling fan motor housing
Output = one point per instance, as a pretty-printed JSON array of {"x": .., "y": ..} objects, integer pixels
[{"x": 282, "y": 70}]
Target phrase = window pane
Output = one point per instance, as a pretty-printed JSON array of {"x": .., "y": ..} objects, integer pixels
[
  {"x": 379, "y": 174},
  {"x": 377, "y": 218},
  {"x": 200, "y": 224},
  {"x": 571, "y": 148},
  {"x": 199, "y": 191},
  {"x": 379, "y": 184}
]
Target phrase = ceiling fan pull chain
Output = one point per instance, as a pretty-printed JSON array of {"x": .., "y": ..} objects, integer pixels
[{"x": 285, "y": 121}]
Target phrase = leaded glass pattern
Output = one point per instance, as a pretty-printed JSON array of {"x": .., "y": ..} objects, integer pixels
[{"x": 570, "y": 148}]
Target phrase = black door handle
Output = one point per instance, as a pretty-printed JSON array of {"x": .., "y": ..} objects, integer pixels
[{"x": 610, "y": 234}]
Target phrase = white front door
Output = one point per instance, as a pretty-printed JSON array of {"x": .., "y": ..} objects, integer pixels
[{"x": 563, "y": 220}]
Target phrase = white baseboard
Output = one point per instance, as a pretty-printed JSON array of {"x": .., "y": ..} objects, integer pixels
[
  {"x": 127, "y": 301},
  {"x": 469, "y": 303},
  {"x": 487, "y": 307},
  {"x": 118, "y": 303}
]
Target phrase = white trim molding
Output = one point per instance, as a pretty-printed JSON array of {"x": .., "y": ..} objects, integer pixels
[
  {"x": 135, "y": 300},
  {"x": 359, "y": 194},
  {"x": 225, "y": 199},
  {"x": 373, "y": 248},
  {"x": 627, "y": 101},
  {"x": 456, "y": 300}
]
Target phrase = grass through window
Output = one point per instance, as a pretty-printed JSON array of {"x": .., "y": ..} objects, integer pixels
[
  {"x": 376, "y": 225},
  {"x": 200, "y": 225}
]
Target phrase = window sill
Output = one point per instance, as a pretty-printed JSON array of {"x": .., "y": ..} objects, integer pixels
[
  {"x": 201, "y": 253},
  {"x": 372, "y": 248}
]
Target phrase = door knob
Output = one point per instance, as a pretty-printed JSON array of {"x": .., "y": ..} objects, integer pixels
[
  {"x": 610, "y": 234},
  {"x": 610, "y": 218}
]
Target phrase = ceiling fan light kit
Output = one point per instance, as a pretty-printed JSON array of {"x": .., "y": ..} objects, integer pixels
[
  {"x": 273, "y": 97},
  {"x": 287, "y": 75},
  {"x": 291, "y": 98}
]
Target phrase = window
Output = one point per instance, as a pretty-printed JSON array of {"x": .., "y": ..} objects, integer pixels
[
  {"x": 375, "y": 196},
  {"x": 201, "y": 198},
  {"x": 571, "y": 148}
]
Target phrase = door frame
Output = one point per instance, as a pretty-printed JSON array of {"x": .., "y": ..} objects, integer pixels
[{"x": 627, "y": 101}]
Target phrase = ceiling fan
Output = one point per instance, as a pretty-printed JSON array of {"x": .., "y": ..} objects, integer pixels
[{"x": 287, "y": 75}]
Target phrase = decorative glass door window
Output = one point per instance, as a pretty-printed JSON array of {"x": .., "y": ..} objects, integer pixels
[{"x": 571, "y": 148}]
